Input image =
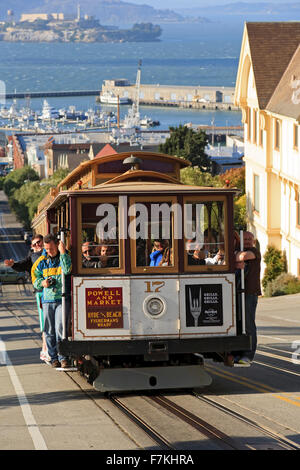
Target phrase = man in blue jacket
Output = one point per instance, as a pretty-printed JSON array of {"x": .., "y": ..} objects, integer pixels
[
  {"x": 47, "y": 274},
  {"x": 26, "y": 264}
]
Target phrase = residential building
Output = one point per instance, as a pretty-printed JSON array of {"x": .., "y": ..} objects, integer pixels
[{"x": 268, "y": 92}]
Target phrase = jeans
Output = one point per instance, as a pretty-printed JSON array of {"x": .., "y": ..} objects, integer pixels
[
  {"x": 250, "y": 310},
  {"x": 53, "y": 327}
]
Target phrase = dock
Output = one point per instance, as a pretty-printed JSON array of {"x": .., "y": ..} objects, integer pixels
[
  {"x": 51, "y": 94},
  {"x": 177, "y": 96},
  {"x": 191, "y": 105}
]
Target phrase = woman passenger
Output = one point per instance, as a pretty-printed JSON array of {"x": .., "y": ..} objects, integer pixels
[{"x": 159, "y": 253}]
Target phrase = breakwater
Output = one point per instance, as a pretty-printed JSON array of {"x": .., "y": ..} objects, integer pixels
[{"x": 50, "y": 94}]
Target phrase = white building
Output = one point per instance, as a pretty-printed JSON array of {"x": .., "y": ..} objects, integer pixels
[{"x": 268, "y": 92}]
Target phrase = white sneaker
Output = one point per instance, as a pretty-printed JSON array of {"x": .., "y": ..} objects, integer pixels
[{"x": 44, "y": 356}]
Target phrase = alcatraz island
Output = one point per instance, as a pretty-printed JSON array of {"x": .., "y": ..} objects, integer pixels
[{"x": 56, "y": 27}]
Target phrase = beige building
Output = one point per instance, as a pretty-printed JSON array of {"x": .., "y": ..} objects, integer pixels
[{"x": 268, "y": 92}]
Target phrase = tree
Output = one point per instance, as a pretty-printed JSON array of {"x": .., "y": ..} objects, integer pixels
[
  {"x": 234, "y": 178},
  {"x": 240, "y": 212},
  {"x": 275, "y": 265},
  {"x": 15, "y": 179},
  {"x": 196, "y": 177},
  {"x": 184, "y": 142},
  {"x": 24, "y": 198}
]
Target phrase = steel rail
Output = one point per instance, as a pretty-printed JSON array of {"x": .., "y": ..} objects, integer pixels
[
  {"x": 283, "y": 441},
  {"x": 221, "y": 439},
  {"x": 149, "y": 430}
]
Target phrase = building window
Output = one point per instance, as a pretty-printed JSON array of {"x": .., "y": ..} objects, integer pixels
[
  {"x": 277, "y": 134},
  {"x": 295, "y": 138},
  {"x": 256, "y": 193},
  {"x": 249, "y": 125},
  {"x": 255, "y": 127},
  {"x": 298, "y": 210},
  {"x": 261, "y": 137}
]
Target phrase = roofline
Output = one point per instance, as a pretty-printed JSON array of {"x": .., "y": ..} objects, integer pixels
[{"x": 120, "y": 156}]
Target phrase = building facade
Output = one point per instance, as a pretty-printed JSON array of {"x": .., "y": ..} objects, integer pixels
[{"x": 268, "y": 92}]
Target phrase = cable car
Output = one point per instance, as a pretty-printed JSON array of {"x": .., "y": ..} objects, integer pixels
[{"x": 153, "y": 272}]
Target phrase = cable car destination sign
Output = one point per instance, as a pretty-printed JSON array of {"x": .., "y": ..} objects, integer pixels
[{"x": 104, "y": 307}]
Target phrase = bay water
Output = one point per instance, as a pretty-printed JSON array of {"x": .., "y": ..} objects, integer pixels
[{"x": 204, "y": 54}]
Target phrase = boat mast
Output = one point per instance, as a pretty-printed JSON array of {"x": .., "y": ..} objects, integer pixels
[{"x": 136, "y": 100}]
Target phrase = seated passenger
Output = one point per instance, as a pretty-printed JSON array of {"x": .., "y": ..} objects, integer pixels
[
  {"x": 218, "y": 259},
  {"x": 195, "y": 256},
  {"x": 166, "y": 257},
  {"x": 160, "y": 248},
  {"x": 89, "y": 257},
  {"x": 108, "y": 256}
]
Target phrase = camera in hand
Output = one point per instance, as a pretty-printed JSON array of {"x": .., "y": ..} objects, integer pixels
[{"x": 51, "y": 281}]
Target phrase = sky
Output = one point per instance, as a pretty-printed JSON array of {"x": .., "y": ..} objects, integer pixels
[{"x": 172, "y": 4}]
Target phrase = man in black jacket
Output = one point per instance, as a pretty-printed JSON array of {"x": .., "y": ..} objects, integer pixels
[{"x": 25, "y": 264}]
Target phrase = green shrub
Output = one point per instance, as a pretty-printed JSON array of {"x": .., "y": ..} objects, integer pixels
[
  {"x": 2, "y": 179},
  {"x": 284, "y": 284},
  {"x": 275, "y": 265}
]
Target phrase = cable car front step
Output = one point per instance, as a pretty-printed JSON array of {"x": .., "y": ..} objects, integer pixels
[{"x": 151, "y": 378}]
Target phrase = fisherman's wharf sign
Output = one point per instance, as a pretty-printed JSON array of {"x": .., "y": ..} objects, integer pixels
[{"x": 104, "y": 307}]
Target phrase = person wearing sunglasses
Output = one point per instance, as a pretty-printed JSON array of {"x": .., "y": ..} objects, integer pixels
[
  {"x": 25, "y": 264},
  {"x": 35, "y": 252},
  {"x": 89, "y": 257}
]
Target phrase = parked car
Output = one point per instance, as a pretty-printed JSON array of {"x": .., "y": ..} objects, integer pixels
[{"x": 9, "y": 276}]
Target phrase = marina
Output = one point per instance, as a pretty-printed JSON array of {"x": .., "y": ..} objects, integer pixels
[
  {"x": 115, "y": 93},
  {"x": 105, "y": 117}
]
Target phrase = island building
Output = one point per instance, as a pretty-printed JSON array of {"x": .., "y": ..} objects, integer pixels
[
  {"x": 31, "y": 17},
  {"x": 162, "y": 94},
  {"x": 268, "y": 92}
]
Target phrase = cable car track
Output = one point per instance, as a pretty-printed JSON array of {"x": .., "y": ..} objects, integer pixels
[
  {"x": 221, "y": 439},
  {"x": 281, "y": 440},
  {"x": 149, "y": 430}
]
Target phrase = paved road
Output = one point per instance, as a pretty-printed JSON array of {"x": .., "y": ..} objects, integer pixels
[{"x": 11, "y": 243}]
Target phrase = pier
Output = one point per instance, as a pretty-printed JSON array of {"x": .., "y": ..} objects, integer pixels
[
  {"x": 191, "y": 105},
  {"x": 177, "y": 96},
  {"x": 51, "y": 94}
]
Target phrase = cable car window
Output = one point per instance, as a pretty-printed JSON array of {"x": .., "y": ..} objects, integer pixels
[
  {"x": 100, "y": 235},
  {"x": 151, "y": 232},
  {"x": 205, "y": 234}
]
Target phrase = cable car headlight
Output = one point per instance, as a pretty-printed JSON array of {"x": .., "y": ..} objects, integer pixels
[{"x": 154, "y": 306}]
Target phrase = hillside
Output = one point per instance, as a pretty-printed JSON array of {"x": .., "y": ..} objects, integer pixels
[
  {"x": 246, "y": 11},
  {"x": 110, "y": 12}
]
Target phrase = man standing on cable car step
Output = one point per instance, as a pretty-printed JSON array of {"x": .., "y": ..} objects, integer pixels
[
  {"x": 249, "y": 259},
  {"x": 46, "y": 273}
]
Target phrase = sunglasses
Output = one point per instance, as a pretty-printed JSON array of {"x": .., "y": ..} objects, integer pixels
[
  {"x": 87, "y": 251},
  {"x": 36, "y": 243}
]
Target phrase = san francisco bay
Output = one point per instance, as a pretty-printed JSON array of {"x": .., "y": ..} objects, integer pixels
[{"x": 188, "y": 54}]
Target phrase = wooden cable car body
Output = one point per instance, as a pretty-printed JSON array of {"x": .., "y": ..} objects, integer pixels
[{"x": 136, "y": 326}]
